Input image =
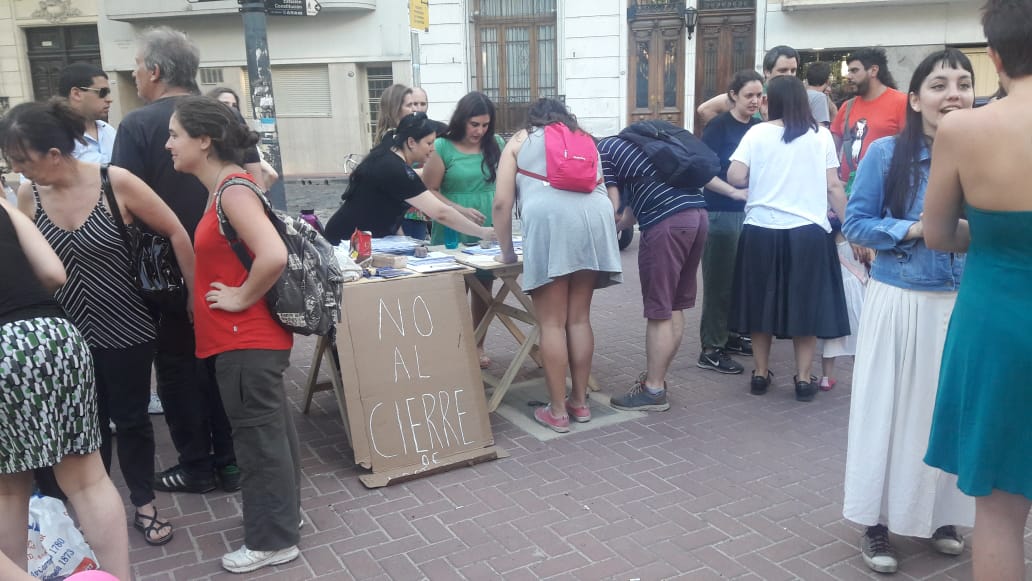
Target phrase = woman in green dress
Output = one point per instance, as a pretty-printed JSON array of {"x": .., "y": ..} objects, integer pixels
[{"x": 462, "y": 171}]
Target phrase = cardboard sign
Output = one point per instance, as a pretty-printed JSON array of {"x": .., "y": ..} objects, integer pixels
[{"x": 412, "y": 385}]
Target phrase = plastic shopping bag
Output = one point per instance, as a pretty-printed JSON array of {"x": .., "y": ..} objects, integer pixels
[{"x": 56, "y": 549}]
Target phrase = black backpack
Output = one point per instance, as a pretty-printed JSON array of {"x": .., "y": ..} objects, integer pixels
[
  {"x": 306, "y": 298},
  {"x": 680, "y": 159}
]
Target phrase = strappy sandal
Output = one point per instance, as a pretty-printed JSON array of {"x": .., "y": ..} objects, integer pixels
[{"x": 150, "y": 525}]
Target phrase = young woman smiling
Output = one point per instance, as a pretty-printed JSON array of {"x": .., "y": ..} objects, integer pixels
[{"x": 902, "y": 330}]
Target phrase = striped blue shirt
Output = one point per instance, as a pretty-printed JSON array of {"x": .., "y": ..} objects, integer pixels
[{"x": 626, "y": 166}]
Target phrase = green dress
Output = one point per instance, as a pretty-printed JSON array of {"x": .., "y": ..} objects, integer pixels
[
  {"x": 981, "y": 428},
  {"x": 465, "y": 183}
]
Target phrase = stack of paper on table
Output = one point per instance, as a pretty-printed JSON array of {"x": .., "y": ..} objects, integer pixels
[{"x": 434, "y": 262}]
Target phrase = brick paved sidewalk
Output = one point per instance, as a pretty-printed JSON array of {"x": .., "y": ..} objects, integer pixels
[{"x": 723, "y": 486}]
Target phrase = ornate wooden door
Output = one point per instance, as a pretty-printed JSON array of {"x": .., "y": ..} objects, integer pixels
[
  {"x": 726, "y": 41},
  {"x": 52, "y": 49},
  {"x": 656, "y": 65}
]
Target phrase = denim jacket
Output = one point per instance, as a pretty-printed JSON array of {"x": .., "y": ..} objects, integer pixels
[{"x": 908, "y": 264}]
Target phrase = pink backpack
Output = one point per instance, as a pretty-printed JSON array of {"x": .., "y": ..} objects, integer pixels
[{"x": 571, "y": 160}]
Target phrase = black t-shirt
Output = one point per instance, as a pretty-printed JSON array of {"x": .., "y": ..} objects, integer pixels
[
  {"x": 140, "y": 148},
  {"x": 378, "y": 199},
  {"x": 22, "y": 296},
  {"x": 723, "y": 135}
]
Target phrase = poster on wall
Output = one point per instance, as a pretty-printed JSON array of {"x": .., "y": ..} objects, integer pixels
[{"x": 412, "y": 384}]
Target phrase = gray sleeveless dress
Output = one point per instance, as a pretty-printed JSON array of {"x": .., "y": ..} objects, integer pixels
[{"x": 563, "y": 232}]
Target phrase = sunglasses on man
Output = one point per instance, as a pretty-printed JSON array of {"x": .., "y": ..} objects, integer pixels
[{"x": 101, "y": 92}]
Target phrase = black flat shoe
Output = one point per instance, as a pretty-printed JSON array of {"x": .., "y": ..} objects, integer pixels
[
  {"x": 805, "y": 390},
  {"x": 758, "y": 385}
]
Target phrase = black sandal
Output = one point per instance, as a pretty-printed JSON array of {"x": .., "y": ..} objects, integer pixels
[{"x": 153, "y": 526}]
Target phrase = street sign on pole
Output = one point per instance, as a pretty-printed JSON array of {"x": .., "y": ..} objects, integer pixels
[
  {"x": 419, "y": 15},
  {"x": 292, "y": 7}
]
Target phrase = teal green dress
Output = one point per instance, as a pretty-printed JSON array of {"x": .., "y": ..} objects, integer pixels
[
  {"x": 465, "y": 183},
  {"x": 982, "y": 427}
]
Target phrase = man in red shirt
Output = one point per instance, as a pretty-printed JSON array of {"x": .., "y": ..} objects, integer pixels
[{"x": 877, "y": 111}]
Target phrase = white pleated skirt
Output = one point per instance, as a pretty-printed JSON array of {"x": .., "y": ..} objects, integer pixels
[
  {"x": 895, "y": 377},
  {"x": 854, "y": 285}
]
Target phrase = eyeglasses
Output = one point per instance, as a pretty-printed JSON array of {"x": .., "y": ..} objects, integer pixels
[{"x": 101, "y": 92}]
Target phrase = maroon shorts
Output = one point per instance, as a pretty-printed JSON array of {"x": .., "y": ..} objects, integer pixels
[{"x": 668, "y": 262}]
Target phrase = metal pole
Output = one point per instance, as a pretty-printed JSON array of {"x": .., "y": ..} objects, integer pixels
[{"x": 256, "y": 42}]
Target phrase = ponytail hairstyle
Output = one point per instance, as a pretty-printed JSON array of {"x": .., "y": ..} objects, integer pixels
[
  {"x": 905, "y": 174},
  {"x": 472, "y": 105},
  {"x": 787, "y": 100},
  {"x": 414, "y": 125},
  {"x": 207, "y": 117},
  {"x": 547, "y": 111},
  {"x": 40, "y": 127}
]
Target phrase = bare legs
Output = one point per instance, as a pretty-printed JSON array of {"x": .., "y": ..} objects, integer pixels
[
  {"x": 662, "y": 340},
  {"x": 805, "y": 348},
  {"x": 567, "y": 341},
  {"x": 97, "y": 506},
  {"x": 14, "y": 516},
  {"x": 999, "y": 550},
  {"x": 761, "y": 353}
]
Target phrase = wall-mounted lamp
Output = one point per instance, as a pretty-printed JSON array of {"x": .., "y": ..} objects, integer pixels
[{"x": 690, "y": 16}]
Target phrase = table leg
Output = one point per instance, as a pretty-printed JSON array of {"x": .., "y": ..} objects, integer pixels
[
  {"x": 506, "y": 381},
  {"x": 313, "y": 372}
]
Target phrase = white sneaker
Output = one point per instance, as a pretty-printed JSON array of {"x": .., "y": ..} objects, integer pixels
[
  {"x": 154, "y": 407},
  {"x": 244, "y": 560}
]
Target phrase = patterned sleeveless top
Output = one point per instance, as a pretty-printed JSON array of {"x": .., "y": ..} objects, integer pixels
[{"x": 100, "y": 296}]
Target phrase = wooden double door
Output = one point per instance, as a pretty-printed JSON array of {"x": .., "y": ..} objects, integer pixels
[
  {"x": 51, "y": 49},
  {"x": 725, "y": 44},
  {"x": 657, "y": 57}
]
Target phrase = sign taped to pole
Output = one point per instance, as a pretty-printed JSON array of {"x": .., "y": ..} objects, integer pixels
[
  {"x": 419, "y": 15},
  {"x": 292, "y": 7}
]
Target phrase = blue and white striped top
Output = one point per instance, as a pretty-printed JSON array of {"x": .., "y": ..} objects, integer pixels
[{"x": 626, "y": 166}]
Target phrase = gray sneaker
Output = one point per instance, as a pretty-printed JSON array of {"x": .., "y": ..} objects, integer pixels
[
  {"x": 639, "y": 399},
  {"x": 947, "y": 541},
  {"x": 877, "y": 550}
]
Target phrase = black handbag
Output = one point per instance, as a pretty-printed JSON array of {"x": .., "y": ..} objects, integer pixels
[{"x": 152, "y": 261}]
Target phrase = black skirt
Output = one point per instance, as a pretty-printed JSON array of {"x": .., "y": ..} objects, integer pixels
[{"x": 788, "y": 283}]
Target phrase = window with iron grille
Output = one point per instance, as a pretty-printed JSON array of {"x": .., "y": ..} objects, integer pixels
[
  {"x": 378, "y": 78},
  {"x": 211, "y": 76},
  {"x": 516, "y": 55}
]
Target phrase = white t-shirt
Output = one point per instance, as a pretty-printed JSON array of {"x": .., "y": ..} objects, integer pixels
[{"x": 788, "y": 182}]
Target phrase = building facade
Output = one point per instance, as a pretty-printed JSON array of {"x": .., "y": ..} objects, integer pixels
[
  {"x": 328, "y": 70},
  {"x": 612, "y": 61},
  {"x": 618, "y": 61}
]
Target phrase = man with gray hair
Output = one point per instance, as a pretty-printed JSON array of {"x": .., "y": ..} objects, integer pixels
[{"x": 166, "y": 70}]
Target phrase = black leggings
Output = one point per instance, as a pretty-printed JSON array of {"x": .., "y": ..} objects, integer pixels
[{"x": 123, "y": 393}]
